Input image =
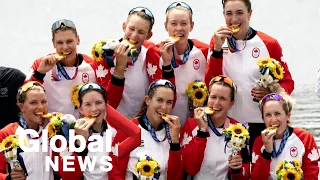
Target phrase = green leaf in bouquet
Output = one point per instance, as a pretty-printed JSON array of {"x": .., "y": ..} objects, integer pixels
[
  {"x": 133, "y": 53},
  {"x": 71, "y": 126}
]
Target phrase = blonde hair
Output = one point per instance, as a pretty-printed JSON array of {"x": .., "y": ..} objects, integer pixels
[
  {"x": 143, "y": 15},
  {"x": 287, "y": 103},
  {"x": 179, "y": 8},
  {"x": 24, "y": 89}
]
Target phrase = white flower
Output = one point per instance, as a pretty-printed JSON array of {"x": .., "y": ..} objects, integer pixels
[
  {"x": 186, "y": 139},
  {"x": 254, "y": 157},
  {"x": 114, "y": 149},
  {"x": 313, "y": 155},
  {"x": 101, "y": 72},
  {"x": 151, "y": 69},
  {"x": 68, "y": 118}
]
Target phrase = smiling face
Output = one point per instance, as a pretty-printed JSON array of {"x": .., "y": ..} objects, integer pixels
[
  {"x": 237, "y": 14},
  {"x": 93, "y": 105},
  {"x": 137, "y": 29},
  {"x": 179, "y": 23},
  {"x": 33, "y": 107},
  {"x": 220, "y": 100},
  {"x": 275, "y": 115},
  {"x": 160, "y": 102},
  {"x": 65, "y": 42}
]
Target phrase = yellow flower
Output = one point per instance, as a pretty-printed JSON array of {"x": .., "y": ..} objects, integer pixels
[
  {"x": 9, "y": 142},
  {"x": 297, "y": 163},
  {"x": 56, "y": 122},
  {"x": 75, "y": 95},
  {"x": 97, "y": 51},
  {"x": 291, "y": 174},
  {"x": 199, "y": 96},
  {"x": 279, "y": 167},
  {"x": 197, "y": 91},
  {"x": 146, "y": 168},
  {"x": 278, "y": 71},
  {"x": 190, "y": 87},
  {"x": 54, "y": 126},
  {"x": 238, "y": 130},
  {"x": 27, "y": 86},
  {"x": 264, "y": 62},
  {"x": 289, "y": 170},
  {"x": 51, "y": 131}
]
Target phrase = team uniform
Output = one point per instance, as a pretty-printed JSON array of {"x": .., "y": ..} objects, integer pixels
[
  {"x": 138, "y": 75},
  {"x": 205, "y": 154},
  {"x": 32, "y": 160},
  {"x": 300, "y": 145},
  {"x": 186, "y": 72},
  {"x": 58, "y": 92},
  {"x": 241, "y": 66},
  {"x": 88, "y": 174},
  {"x": 166, "y": 154}
]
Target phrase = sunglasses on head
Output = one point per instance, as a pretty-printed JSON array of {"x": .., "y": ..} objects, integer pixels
[
  {"x": 179, "y": 3},
  {"x": 271, "y": 96},
  {"x": 29, "y": 85},
  {"x": 162, "y": 82},
  {"x": 91, "y": 86},
  {"x": 145, "y": 10},
  {"x": 224, "y": 79},
  {"x": 63, "y": 22}
]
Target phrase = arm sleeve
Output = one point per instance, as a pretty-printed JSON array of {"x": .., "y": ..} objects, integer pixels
[
  {"x": 276, "y": 53},
  {"x": 193, "y": 149},
  {"x": 153, "y": 64},
  {"x": 33, "y": 74},
  {"x": 175, "y": 165},
  {"x": 77, "y": 173},
  {"x": 113, "y": 85},
  {"x": 119, "y": 165},
  {"x": 6, "y": 131},
  {"x": 260, "y": 161},
  {"x": 310, "y": 160},
  {"x": 214, "y": 64},
  {"x": 115, "y": 89},
  {"x": 244, "y": 172}
]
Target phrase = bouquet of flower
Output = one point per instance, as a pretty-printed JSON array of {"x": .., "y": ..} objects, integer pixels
[
  {"x": 197, "y": 95},
  {"x": 289, "y": 170},
  {"x": 104, "y": 49},
  {"x": 147, "y": 168},
  {"x": 54, "y": 125},
  {"x": 11, "y": 149},
  {"x": 238, "y": 137},
  {"x": 271, "y": 72},
  {"x": 59, "y": 124}
]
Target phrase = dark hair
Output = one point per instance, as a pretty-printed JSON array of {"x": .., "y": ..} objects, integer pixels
[
  {"x": 151, "y": 92},
  {"x": 247, "y": 3},
  {"x": 102, "y": 91},
  {"x": 232, "y": 90}
]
